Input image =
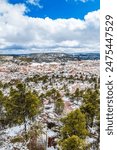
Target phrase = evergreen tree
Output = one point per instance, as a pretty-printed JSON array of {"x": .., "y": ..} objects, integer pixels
[
  {"x": 59, "y": 106},
  {"x": 1, "y": 84},
  {"x": 73, "y": 143},
  {"x": 74, "y": 132},
  {"x": 1, "y": 110},
  {"x": 77, "y": 94},
  {"x": 91, "y": 109},
  {"x": 1, "y": 101},
  {"x": 74, "y": 124},
  {"x": 21, "y": 105},
  {"x": 90, "y": 112}
]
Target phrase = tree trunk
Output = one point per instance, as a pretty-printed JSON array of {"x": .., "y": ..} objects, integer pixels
[{"x": 25, "y": 128}]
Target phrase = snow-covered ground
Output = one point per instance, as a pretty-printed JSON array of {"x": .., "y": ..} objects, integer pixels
[
  {"x": 58, "y": 77},
  {"x": 14, "y": 130}
]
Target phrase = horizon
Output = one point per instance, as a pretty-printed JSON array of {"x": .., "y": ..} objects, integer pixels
[{"x": 70, "y": 53}]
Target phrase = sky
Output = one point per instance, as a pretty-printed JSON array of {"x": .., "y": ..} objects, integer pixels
[{"x": 34, "y": 26}]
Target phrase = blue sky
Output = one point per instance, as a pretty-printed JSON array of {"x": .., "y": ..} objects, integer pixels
[
  {"x": 59, "y": 8},
  {"x": 32, "y": 26}
]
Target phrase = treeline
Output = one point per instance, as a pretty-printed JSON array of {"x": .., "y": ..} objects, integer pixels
[{"x": 71, "y": 78}]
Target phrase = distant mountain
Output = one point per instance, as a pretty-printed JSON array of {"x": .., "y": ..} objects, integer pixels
[
  {"x": 87, "y": 56},
  {"x": 58, "y": 57},
  {"x": 50, "y": 57},
  {"x": 53, "y": 57}
]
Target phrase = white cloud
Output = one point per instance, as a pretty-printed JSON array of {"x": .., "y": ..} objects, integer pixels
[
  {"x": 20, "y": 33},
  {"x": 35, "y": 3}
]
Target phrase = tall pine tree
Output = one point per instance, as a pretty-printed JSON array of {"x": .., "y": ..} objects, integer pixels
[{"x": 21, "y": 105}]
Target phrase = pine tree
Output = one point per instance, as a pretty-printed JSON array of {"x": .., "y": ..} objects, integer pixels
[
  {"x": 89, "y": 111},
  {"x": 1, "y": 110},
  {"x": 73, "y": 133},
  {"x": 1, "y": 84},
  {"x": 59, "y": 106},
  {"x": 74, "y": 124},
  {"x": 91, "y": 106},
  {"x": 73, "y": 143},
  {"x": 21, "y": 105},
  {"x": 77, "y": 94},
  {"x": 1, "y": 101}
]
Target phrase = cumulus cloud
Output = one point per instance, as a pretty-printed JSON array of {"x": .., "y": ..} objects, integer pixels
[{"x": 20, "y": 33}]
